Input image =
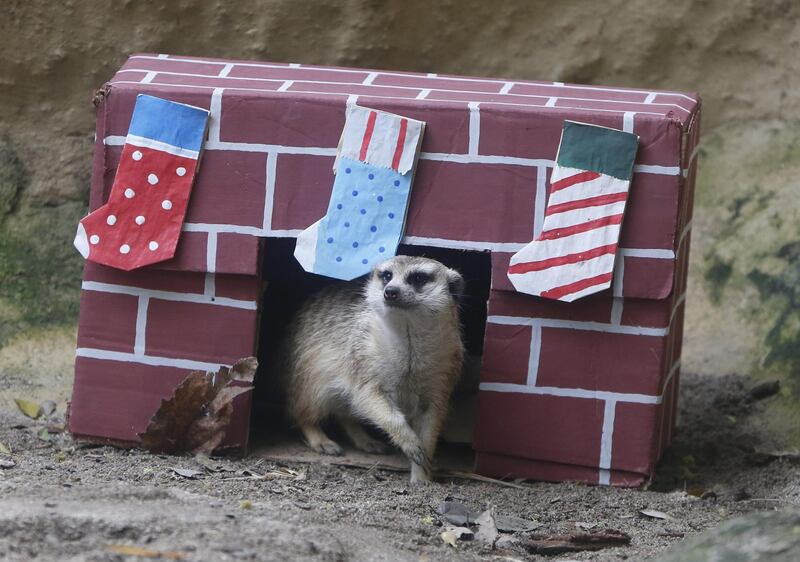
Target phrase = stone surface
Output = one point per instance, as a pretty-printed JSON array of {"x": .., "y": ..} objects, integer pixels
[{"x": 772, "y": 536}]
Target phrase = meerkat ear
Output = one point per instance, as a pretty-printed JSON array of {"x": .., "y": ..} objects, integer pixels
[{"x": 455, "y": 283}]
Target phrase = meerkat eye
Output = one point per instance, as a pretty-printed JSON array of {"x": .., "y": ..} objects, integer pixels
[
  {"x": 385, "y": 276},
  {"x": 418, "y": 279}
]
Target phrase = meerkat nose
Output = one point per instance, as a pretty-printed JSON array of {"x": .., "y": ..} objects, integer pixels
[{"x": 391, "y": 293}]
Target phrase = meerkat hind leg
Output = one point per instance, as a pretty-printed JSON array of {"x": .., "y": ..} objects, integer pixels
[
  {"x": 317, "y": 440},
  {"x": 359, "y": 436}
]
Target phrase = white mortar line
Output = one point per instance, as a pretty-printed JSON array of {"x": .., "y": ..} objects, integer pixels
[
  {"x": 650, "y": 98},
  {"x": 141, "y": 325},
  {"x": 211, "y": 252},
  {"x": 161, "y": 56},
  {"x": 167, "y": 295},
  {"x": 147, "y": 78},
  {"x": 215, "y": 110},
  {"x": 616, "y": 310},
  {"x": 506, "y": 87},
  {"x": 570, "y": 392},
  {"x": 269, "y": 195},
  {"x": 627, "y": 121},
  {"x": 423, "y": 94},
  {"x": 225, "y": 70},
  {"x": 155, "y": 361},
  {"x": 551, "y": 101},
  {"x": 540, "y": 201},
  {"x": 370, "y": 78},
  {"x": 577, "y": 325},
  {"x": 533, "y": 355},
  {"x": 474, "y": 127},
  {"x": 210, "y": 285},
  {"x": 619, "y": 274},
  {"x": 607, "y": 436},
  {"x": 285, "y": 86}
]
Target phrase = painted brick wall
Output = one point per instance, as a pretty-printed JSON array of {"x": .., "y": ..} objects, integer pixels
[
  {"x": 584, "y": 391},
  {"x": 141, "y": 332}
]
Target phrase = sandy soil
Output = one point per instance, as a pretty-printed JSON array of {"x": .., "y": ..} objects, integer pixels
[{"x": 69, "y": 501}]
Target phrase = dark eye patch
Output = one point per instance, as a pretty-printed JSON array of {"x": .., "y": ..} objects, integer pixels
[
  {"x": 385, "y": 276},
  {"x": 418, "y": 278}
]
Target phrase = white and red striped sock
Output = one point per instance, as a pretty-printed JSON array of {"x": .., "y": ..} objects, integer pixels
[{"x": 574, "y": 254}]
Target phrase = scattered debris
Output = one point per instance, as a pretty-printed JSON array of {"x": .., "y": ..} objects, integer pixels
[
  {"x": 558, "y": 544},
  {"x": 671, "y": 534},
  {"x": 479, "y": 478},
  {"x": 4, "y": 449},
  {"x": 456, "y": 513},
  {"x": 196, "y": 416},
  {"x": 586, "y": 526},
  {"x": 44, "y": 434},
  {"x": 655, "y": 514},
  {"x": 128, "y": 550},
  {"x": 763, "y": 390},
  {"x": 31, "y": 409},
  {"x": 246, "y": 504},
  {"x": 7, "y": 463},
  {"x": 186, "y": 472},
  {"x": 487, "y": 528},
  {"x": 453, "y": 534},
  {"x": 48, "y": 408}
]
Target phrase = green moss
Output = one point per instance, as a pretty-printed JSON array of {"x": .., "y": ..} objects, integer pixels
[
  {"x": 782, "y": 290},
  {"x": 13, "y": 179},
  {"x": 716, "y": 276},
  {"x": 39, "y": 269}
]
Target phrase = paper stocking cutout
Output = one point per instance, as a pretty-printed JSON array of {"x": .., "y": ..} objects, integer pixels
[
  {"x": 366, "y": 213},
  {"x": 574, "y": 255},
  {"x": 141, "y": 222}
]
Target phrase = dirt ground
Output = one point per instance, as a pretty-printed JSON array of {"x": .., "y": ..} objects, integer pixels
[{"x": 64, "y": 500}]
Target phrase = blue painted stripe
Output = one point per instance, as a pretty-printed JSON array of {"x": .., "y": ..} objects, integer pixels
[{"x": 169, "y": 122}]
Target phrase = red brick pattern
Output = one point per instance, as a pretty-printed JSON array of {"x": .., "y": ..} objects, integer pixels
[
  {"x": 606, "y": 367},
  {"x": 142, "y": 332},
  {"x": 479, "y": 151}
]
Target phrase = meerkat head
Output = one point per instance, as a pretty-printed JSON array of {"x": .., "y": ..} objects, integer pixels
[{"x": 407, "y": 283}]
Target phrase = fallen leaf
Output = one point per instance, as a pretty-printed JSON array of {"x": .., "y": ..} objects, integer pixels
[
  {"x": 44, "y": 434},
  {"x": 196, "y": 416},
  {"x": 127, "y": 550},
  {"x": 29, "y": 408},
  {"x": 655, "y": 514},
  {"x": 512, "y": 524},
  {"x": 487, "y": 528},
  {"x": 186, "y": 472},
  {"x": 246, "y": 504},
  {"x": 5, "y": 449},
  {"x": 428, "y": 520},
  {"x": 7, "y": 463}
]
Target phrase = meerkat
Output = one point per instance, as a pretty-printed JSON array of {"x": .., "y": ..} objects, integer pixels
[{"x": 387, "y": 352}]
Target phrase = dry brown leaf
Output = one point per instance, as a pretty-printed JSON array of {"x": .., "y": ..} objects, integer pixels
[{"x": 196, "y": 416}]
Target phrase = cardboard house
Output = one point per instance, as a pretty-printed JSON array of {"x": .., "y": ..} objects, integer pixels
[{"x": 568, "y": 391}]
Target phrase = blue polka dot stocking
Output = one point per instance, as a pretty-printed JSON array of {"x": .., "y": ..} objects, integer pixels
[{"x": 363, "y": 225}]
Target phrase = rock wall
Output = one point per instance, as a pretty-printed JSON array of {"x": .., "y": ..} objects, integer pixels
[{"x": 741, "y": 55}]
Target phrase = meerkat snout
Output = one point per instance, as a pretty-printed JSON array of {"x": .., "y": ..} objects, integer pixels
[{"x": 386, "y": 350}]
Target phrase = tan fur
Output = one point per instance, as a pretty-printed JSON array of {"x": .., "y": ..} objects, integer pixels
[{"x": 354, "y": 355}]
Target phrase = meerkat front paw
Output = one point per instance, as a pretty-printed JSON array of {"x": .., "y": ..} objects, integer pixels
[
  {"x": 418, "y": 458},
  {"x": 321, "y": 443}
]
